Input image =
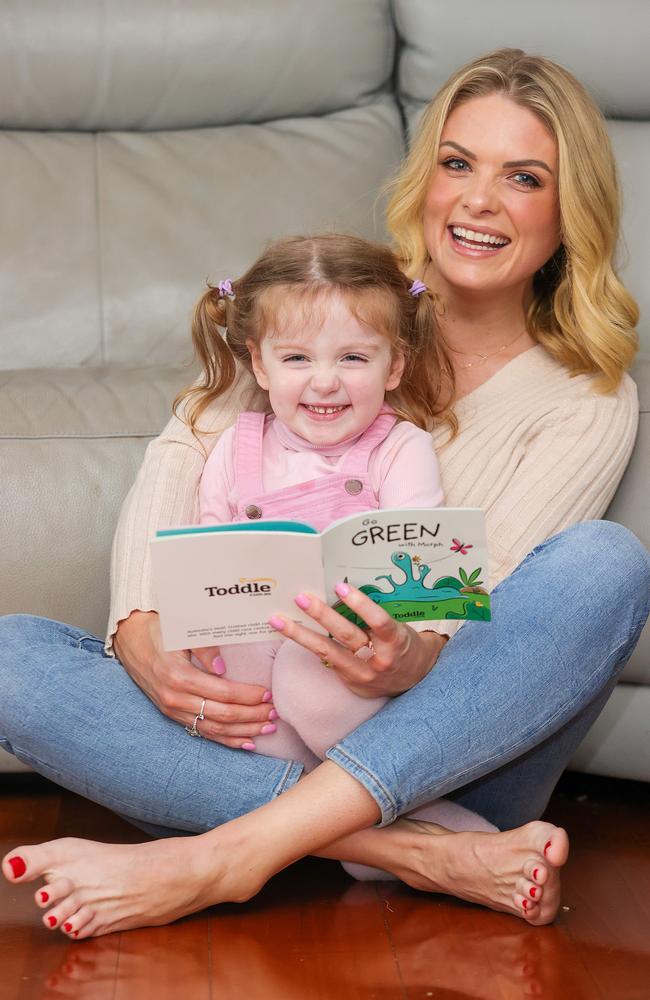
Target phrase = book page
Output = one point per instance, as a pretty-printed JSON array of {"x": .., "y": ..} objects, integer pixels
[
  {"x": 222, "y": 586},
  {"x": 419, "y": 565}
]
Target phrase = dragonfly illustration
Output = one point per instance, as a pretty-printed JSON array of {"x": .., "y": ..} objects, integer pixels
[{"x": 462, "y": 547}]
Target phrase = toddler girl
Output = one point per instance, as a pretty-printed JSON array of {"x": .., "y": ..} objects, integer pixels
[{"x": 345, "y": 346}]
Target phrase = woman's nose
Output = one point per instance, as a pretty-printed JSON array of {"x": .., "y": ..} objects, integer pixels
[{"x": 481, "y": 196}]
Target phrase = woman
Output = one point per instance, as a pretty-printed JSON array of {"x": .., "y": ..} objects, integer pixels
[{"x": 507, "y": 208}]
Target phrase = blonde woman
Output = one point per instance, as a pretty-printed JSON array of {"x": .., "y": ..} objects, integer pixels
[{"x": 507, "y": 208}]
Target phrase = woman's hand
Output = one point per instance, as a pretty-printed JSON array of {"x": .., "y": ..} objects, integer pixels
[
  {"x": 234, "y": 713},
  {"x": 396, "y": 660}
]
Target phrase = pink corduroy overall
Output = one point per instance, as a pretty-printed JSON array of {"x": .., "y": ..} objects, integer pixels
[{"x": 317, "y": 502}]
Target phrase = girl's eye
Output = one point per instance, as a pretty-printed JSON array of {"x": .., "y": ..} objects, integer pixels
[
  {"x": 354, "y": 357},
  {"x": 456, "y": 163},
  {"x": 295, "y": 357},
  {"x": 526, "y": 180}
]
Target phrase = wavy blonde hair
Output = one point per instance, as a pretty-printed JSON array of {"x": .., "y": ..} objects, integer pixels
[
  {"x": 291, "y": 281},
  {"x": 580, "y": 311}
]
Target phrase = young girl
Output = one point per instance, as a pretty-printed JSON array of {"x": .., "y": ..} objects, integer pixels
[{"x": 345, "y": 346}]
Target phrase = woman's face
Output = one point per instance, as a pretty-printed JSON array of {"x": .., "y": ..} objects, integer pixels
[{"x": 491, "y": 216}]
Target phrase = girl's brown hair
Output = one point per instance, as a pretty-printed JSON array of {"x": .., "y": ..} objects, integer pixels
[
  {"x": 294, "y": 276},
  {"x": 580, "y": 310}
]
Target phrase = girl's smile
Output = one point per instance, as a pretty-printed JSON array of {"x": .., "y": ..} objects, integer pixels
[{"x": 326, "y": 376}]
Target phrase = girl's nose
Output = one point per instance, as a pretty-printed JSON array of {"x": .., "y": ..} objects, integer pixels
[{"x": 325, "y": 380}]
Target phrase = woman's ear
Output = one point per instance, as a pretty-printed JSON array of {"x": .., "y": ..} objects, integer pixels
[
  {"x": 396, "y": 371},
  {"x": 256, "y": 361}
]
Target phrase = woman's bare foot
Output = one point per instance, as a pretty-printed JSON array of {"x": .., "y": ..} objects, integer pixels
[
  {"x": 515, "y": 872},
  {"x": 91, "y": 889}
]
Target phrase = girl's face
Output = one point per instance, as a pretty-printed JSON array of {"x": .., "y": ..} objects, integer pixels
[
  {"x": 326, "y": 380},
  {"x": 492, "y": 216}
]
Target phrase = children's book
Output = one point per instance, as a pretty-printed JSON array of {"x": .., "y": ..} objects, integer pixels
[{"x": 221, "y": 583}]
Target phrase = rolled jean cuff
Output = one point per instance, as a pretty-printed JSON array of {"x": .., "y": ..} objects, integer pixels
[
  {"x": 387, "y": 804},
  {"x": 289, "y": 777}
]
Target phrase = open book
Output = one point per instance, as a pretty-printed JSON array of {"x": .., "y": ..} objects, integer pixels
[{"x": 221, "y": 584}]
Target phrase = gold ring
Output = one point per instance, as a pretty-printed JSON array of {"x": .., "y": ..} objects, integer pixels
[{"x": 326, "y": 663}]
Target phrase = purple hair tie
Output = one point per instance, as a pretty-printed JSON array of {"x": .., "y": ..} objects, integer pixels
[
  {"x": 225, "y": 289},
  {"x": 417, "y": 288}
]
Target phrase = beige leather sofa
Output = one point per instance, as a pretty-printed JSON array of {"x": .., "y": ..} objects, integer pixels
[{"x": 147, "y": 146}]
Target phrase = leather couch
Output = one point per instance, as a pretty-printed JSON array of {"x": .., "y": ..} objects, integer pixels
[{"x": 145, "y": 147}]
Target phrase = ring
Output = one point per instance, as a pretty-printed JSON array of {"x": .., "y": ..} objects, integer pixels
[
  {"x": 192, "y": 730},
  {"x": 326, "y": 663},
  {"x": 366, "y": 645}
]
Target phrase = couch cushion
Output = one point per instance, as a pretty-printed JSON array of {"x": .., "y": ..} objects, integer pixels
[
  {"x": 107, "y": 239},
  {"x": 158, "y": 64},
  {"x": 440, "y": 37},
  {"x": 71, "y": 443}
]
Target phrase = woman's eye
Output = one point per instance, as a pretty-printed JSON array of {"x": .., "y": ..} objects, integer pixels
[
  {"x": 526, "y": 180},
  {"x": 456, "y": 163}
]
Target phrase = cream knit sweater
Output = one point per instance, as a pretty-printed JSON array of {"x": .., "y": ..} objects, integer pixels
[{"x": 536, "y": 449}]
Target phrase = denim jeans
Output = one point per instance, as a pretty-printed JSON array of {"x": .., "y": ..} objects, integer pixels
[{"x": 492, "y": 725}]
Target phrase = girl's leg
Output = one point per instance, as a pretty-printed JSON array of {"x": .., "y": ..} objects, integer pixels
[{"x": 256, "y": 663}]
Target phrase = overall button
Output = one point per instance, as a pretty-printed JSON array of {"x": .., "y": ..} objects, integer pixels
[
  {"x": 253, "y": 512},
  {"x": 353, "y": 486}
]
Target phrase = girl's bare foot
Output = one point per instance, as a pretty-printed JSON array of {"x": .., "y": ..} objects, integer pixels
[
  {"x": 90, "y": 889},
  {"x": 515, "y": 872}
]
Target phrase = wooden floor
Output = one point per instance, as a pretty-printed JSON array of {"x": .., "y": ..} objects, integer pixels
[{"x": 314, "y": 934}]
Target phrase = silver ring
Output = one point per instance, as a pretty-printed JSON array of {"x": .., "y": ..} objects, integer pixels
[{"x": 192, "y": 730}]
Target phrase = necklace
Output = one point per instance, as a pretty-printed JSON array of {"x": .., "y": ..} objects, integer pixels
[{"x": 482, "y": 357}]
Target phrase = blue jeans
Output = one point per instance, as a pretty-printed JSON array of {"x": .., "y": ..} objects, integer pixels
[{"x": 492, "y": 725}]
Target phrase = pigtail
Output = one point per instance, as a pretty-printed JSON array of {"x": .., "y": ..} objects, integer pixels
[
  {"x": 427, "y": 389},
  {"x": 212, "y": 313}
]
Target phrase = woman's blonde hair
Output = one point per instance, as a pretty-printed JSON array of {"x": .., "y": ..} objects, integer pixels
[
  {"x": 580, "y": 311},
  {"x": 291, "y": 280}
]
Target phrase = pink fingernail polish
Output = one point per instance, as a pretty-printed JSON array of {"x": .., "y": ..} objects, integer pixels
[
  {"x": 18, "y": 866},
  {"x": 342, "y": 589},
  {"x": 273, "y": 715},
  {"x": 276, "y": 623},
  {"x": 267, "y": 696},
  {"x": 218, "y": 666},
  {"x": 302, "y": 601},
  {"x": 248, "y": 746},
  {"x": 268, "y": 728}
]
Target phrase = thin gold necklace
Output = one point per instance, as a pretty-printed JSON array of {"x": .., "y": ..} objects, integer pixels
[{"x": 482, "y": 357}]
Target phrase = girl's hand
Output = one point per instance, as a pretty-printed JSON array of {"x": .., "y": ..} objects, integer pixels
[
  {"x": 234, "y": 712},
  {"x": 398, "y": 658}
]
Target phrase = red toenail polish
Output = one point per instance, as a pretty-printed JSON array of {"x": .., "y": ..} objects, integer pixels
[
  {"x": 76, "y": 933},
  {"x": 546, "y": 846},
  {"x": 18, "y": 866},
  {"x": 44, "y": 897},
  {"x": 51, "y": 921},
  {"x": 533, "y": 891},
  {"x": 525, "y": 904},
  {"x": 536, "y": 873},
  {"x": 67, "y": 927}
]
